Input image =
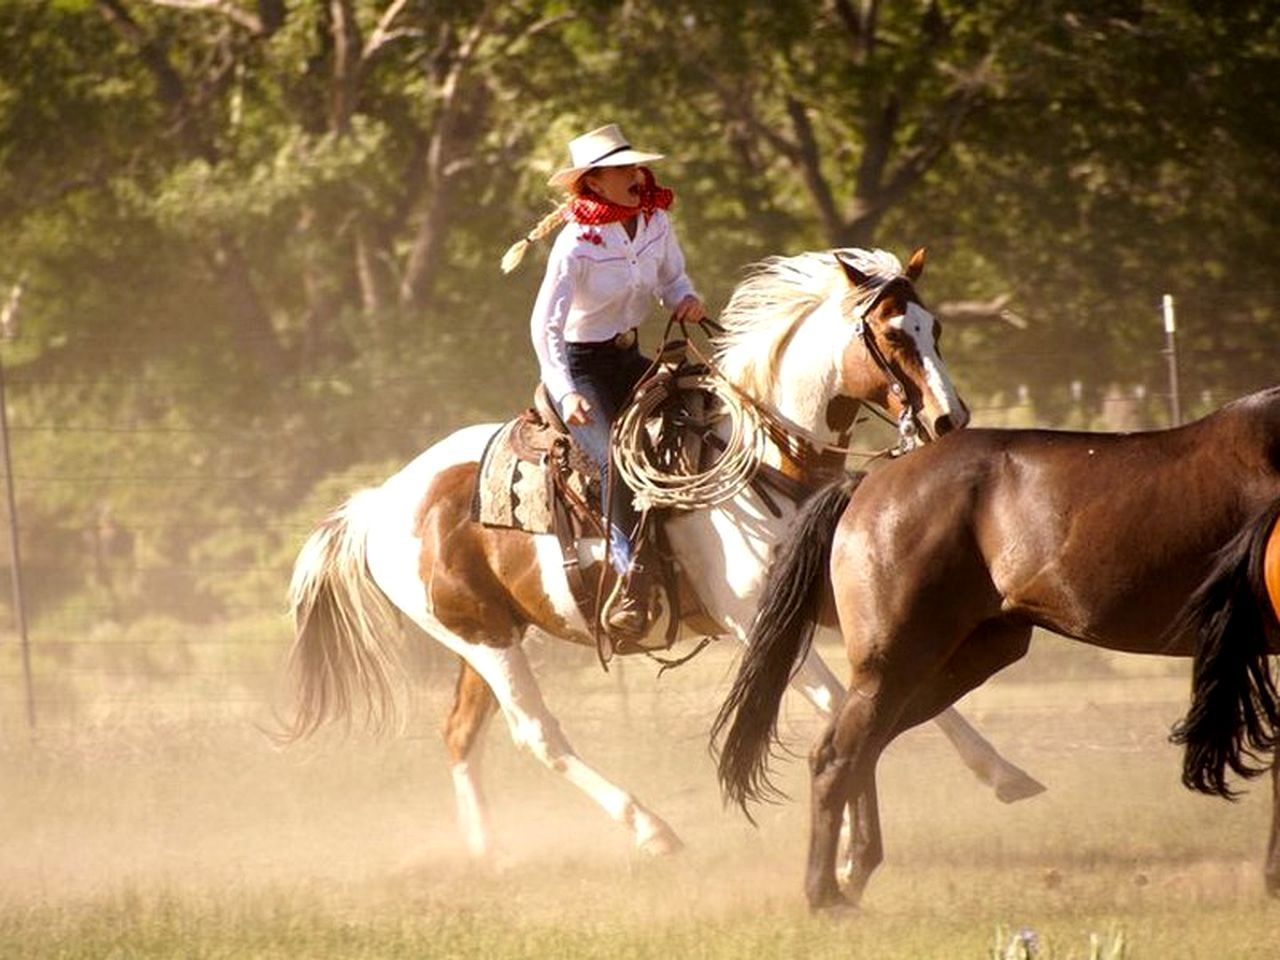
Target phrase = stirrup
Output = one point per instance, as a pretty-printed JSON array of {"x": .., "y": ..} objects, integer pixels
[{"x": 626, "y": 611}]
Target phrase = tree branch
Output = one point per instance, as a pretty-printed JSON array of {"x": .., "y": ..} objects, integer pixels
[
  {"x": 980, "y": 311},
  {"x": 348, "y": 65},
  {"x": 250, "y": 21},
  {"x": 443, "y": 146},
  {"x": 861, "y": 26},
  {"x": 925, "y": 153},
  {"x": 737, "y": 104},
  {"x": 808, "y": 160},
  {"x": 383, "y": 34},
  {"x": 171, "y": 87}
]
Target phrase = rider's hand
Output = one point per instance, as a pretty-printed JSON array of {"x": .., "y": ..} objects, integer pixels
[
  {"x": 690, "y": 310},
  {"x": 577, "y": 411}
]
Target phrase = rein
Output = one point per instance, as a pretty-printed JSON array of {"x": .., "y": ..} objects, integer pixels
[
  {"x": 799, "y": 444},
  {"x": 754, "y": 424},
  {"x": 908, "y": 432}
]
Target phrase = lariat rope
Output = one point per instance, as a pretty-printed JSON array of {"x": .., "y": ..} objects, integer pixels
[
  {"x": 659, "y": 477},
  {"x": 672, "y": 483}
]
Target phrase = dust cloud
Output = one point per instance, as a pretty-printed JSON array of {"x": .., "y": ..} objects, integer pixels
[{"x": 188, "y": 806}]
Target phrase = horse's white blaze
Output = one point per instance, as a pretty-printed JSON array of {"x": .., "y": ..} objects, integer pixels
[{"x": 919, "y": 324}]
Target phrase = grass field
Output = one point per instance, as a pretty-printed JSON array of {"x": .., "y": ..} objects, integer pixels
[{"x": 166, "y": 838}]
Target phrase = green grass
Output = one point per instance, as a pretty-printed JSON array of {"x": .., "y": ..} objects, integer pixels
[{"x": 270, "y": 924}]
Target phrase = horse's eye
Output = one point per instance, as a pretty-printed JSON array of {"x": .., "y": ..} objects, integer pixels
[{"x": 896, "y": 337}]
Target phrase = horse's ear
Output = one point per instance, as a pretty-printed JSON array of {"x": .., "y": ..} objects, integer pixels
[
  {"x": 856, "y": 276},
  {"x": 915, "y": 266}
]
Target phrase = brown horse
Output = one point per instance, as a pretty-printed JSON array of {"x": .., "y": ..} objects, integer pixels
[
  {"x": 803, "y": 336},
  {"x": 942, "y": 562}
]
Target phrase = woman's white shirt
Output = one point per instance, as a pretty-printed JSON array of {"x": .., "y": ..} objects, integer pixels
[{"x": 599, "y": 283}]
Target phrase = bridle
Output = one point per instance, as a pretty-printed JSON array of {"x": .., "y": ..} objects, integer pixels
[{"x": 907, "y": 423}]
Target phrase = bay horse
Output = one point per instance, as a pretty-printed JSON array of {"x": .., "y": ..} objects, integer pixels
[
  {"x": 1162, "y": 542},
  {"x": 800, "y": 333}
]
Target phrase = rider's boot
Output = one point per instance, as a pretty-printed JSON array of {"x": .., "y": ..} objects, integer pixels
[{"x": 627, "y": 611}]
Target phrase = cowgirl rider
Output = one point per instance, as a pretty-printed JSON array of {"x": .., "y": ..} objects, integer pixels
[{"x": 615, "y": 253}]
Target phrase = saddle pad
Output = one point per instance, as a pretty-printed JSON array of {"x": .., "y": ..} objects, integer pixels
[{"x": 511, "y": 492}]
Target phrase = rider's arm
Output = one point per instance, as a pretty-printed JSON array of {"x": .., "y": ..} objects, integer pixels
[
  {"x": 673, "y": 282},
  {"x": 546, "y": 325}
]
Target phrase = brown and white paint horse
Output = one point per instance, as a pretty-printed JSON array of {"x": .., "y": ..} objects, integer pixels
[
  {"x": 799, "y": 333},
  {"x": 1164, "y": 542}
]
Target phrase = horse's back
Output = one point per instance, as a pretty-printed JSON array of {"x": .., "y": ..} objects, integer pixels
[
  {"x": 1095, "y": 535},
  {"x": 393, "y": 540}
]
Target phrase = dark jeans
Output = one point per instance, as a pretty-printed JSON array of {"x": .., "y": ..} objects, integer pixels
[{"x": 605, "y": 374}]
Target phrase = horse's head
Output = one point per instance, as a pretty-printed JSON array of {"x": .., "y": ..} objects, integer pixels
[{"x": 893, "y": 356}]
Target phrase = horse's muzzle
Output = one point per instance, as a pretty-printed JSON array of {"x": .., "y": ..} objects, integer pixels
[{"x": 948, "y": 422}]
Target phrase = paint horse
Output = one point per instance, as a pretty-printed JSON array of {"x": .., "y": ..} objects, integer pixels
[
  {"x": 800, "y": 333},
  {"x": 942, "y": 562}
]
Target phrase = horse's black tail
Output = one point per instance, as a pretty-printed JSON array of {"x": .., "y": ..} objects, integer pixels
[
  {"x": 1234, "y": 717},
  {"x": 780, "y": 637}
]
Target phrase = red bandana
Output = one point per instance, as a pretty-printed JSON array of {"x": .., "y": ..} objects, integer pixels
[{"x": 590, "y": 210}]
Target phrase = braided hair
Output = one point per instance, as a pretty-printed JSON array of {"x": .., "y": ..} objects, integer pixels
[{"x": 515, "y": 253}]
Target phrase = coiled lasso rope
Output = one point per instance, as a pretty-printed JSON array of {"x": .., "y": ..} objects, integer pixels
[{"x": 661, "y": 476}]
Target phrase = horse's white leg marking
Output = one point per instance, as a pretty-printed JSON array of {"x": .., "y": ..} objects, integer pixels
[
  {"x": 473, "y": 813},
  {"x": 1010, "y": 782},
  {"x": 533, "y": 726}
]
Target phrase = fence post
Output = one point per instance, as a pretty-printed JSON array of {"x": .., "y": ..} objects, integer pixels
[
  {"x": 1171, "y": 359},
  {"x": 7, "y": 327}
]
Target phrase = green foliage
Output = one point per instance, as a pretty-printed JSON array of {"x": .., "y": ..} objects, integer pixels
[{"x": 263, "y": 251}]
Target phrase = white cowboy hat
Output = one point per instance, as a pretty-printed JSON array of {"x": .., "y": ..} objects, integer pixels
[{"x": 603, "y": 147}]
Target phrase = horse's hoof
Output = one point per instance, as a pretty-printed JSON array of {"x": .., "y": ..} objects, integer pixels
[
  {"x": 1016, "y": 786},
  {"x": 835, "y": 905},
  {"x": 662, "y": 843},
  {"x": 1272, "y": 881}
]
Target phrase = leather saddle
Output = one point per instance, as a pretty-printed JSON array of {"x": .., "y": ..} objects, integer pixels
[
  {"x": 534, "y": 478},
  {"x": 531, "y": 466}
]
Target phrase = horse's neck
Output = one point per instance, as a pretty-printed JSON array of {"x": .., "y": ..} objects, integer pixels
[
  {"x": 727, "y": 548},
  {"x": 808, "y": 373}
]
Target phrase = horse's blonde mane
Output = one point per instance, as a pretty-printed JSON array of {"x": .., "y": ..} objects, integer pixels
[
  {"x": 764, "y": 311},
  {"x": 777, "y": 295}
]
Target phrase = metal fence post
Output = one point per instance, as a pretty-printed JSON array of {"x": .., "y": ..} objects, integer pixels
[
  {"x": 19, "y": 595},
  {"x": 1171, "y": 359}
]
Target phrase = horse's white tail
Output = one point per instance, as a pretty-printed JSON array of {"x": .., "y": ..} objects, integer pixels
[{"x": 346, "y": 629}]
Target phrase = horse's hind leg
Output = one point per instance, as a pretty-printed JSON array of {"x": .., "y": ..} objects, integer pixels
[
  {"x": 473, "y": 707},
  {"x": 1010, "y": 782},
  {"x": 509, "y": 676},
  {"x": 842, "y": 769},
  {"x": 991, "y": 646},
  {"x": 815, "y": 681}
]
